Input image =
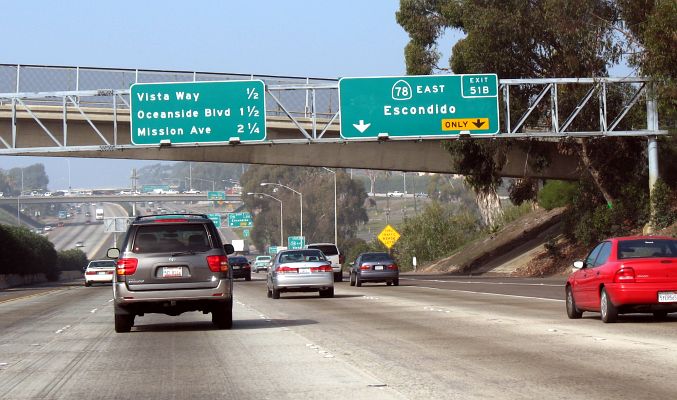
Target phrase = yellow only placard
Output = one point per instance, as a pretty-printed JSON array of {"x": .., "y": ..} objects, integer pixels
[
  {"x": 465, "y": 124},
  {"x": 388, "y": 236}
]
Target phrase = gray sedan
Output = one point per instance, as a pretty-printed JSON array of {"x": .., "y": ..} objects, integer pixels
[
  {"x": 374, "y": 267},
  {"x": 300, "y": 271}
]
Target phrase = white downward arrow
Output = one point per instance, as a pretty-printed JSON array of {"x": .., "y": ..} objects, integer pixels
[{"x": 361, "y": 126}]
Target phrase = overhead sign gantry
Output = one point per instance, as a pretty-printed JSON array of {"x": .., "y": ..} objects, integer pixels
[{"x": 429, "y": 106}]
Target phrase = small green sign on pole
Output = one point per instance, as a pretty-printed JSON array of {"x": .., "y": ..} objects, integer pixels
[
  {"x": 429, "y": 106},
  {"x": 296, "y": 242},
  {"x": 198, "y": 112},
  {"x": 245, "y": 233},
  {"x": 216, "y": 218},
  {"x": 272, "y": 250}
]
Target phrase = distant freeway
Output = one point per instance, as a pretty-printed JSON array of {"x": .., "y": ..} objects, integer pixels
[{"x": 231, "y": 198}]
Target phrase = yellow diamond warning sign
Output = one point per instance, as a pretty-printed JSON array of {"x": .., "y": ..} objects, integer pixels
[
  {"x": 465, "y": 124},
  {"x": 388, "y": 236}
]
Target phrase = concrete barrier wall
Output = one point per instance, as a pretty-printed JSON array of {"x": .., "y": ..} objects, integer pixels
[{"x": 12, "y": 280}]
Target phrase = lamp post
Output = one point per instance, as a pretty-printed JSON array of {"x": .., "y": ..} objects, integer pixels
[
  {"x": 281, "y": 220},
  {"x": 335, "y": 208},
  {"x": 295, "y": 191}
]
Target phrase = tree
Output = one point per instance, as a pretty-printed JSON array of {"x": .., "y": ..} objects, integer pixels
[{"x": 541, "y": 39}]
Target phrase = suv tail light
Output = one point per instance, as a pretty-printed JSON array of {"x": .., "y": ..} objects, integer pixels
[
  {"x": 625, "y": 275},
  {"x": 342, "y": 258},
  {"x": 365, "y": 267},
  {"x": 322, "y": 268},
  {"x": 217, "y": 263},
  {"x": 283, "y": 269},
  {"x": 127, "y": 266},
  {"x": 392, "y": 267}
]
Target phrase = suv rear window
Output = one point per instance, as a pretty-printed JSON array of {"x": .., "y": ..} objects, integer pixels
[
  {"x": 327, "y": 249},
  {"x": 238, "y": 260},
  {"x": 171, "y": 238}
]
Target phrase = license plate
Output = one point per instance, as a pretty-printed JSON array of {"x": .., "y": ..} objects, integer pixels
[
  {"x": 304, "y": 270},
  {"x": 236, "y": 267},
  {"x": 378, "y": 267},
  {"x": 172, "y": 272},
  {"x": 667, "y": 297},
  {"x": 102, "y": 272}
]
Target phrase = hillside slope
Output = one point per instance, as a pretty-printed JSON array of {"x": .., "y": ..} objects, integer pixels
[{"x": 505, "y": 251}]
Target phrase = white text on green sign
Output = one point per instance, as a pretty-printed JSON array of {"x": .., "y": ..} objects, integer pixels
[
  {"x": 418, "y": 106},
  {"x": 240, "y": 220},
  {"x": 198, "y": 112}
]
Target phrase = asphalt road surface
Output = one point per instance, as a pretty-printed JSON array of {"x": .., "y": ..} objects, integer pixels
[{"x": 430, "y": 338}]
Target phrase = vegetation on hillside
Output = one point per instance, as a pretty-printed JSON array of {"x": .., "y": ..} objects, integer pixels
[{"x": 557, "y": 38}]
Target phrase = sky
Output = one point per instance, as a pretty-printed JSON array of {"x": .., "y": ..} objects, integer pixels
[{"x": 290, "y": 38}]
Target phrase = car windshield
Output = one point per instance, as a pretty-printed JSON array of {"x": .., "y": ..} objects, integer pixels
[
  {"x": 302, "y": 256},
  {"x": 104, "y": 263},
  {"x": 327, "y": 249},
  {"x": 378, "y": 257},
  {"x": 171, "y": 238},
  {"x": 647, "y": 248}
]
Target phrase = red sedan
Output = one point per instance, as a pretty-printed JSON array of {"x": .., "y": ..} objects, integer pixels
[{"x": 625, "y": 275}]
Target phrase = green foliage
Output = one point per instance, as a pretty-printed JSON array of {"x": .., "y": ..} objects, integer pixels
[
  {"x": 434, "y": 233},
  {"x": 25, "y": 253},
  {"x": 557, "y": 194},
  {"x": 590, "y": 220},
  {"x": 664, "y": 203},
  {"x": 72, "y": 260},
  {"x": 34, "y": 178}
]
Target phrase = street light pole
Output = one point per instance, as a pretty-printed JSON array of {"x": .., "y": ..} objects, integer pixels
[
  {"x": 335, "y": 208},
  {"x": 295, "y": 191},
  {"x": 281, "y": 220}
]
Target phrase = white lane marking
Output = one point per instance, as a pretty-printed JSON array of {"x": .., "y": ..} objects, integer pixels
[
  {"x": 483, "y": 283},
  {"x": 93, "y": 311},
  {"x": 110, "y": 301},
  {"x": 488, "y": 294}
]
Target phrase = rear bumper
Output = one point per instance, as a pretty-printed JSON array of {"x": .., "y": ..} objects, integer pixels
[
  {"x": 99, "y": 278},
  {"x": 639, "y": 296},
  {"x": 123, "y": 295},
  {"x": 384, "y": 276},
  {"x": 242, "y": 273},
  {"x": 295, "y": 281}
]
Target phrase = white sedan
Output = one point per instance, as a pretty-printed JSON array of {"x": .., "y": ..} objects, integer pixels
[{"x": 100, "y": 271}]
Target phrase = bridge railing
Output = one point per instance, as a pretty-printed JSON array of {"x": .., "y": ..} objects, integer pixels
[{"x": 44, "y": 79}]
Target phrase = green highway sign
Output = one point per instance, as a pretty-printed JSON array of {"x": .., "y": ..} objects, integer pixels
[
  {"x": 216, "y": 218},
  {"x": 428, "y": 106},
  {"x": 296, "y": 242},
  {"x": 198, "y": 112},
  {"x": 240, "y": 220},
  {"x": 272, "y": 250},
  {"x": 216, "y": 195},
  {"x": 151, "y": 188}
]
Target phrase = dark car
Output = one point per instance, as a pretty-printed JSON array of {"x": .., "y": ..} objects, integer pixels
[
  {"x": 374, "y": 267},
  {"x": 635, "y": 274},
  {"x": 171, "y": 265},
  {"x": 241, "y": 268}
]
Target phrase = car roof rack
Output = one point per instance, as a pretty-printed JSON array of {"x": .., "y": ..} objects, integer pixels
[{"x": 142, "y": 217}]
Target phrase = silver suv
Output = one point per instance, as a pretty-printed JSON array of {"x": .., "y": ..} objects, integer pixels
[{"x": 171, "y": 264}]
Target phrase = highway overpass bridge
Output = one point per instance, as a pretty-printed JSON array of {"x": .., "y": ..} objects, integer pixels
[{"x": 85, "y": 112}]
